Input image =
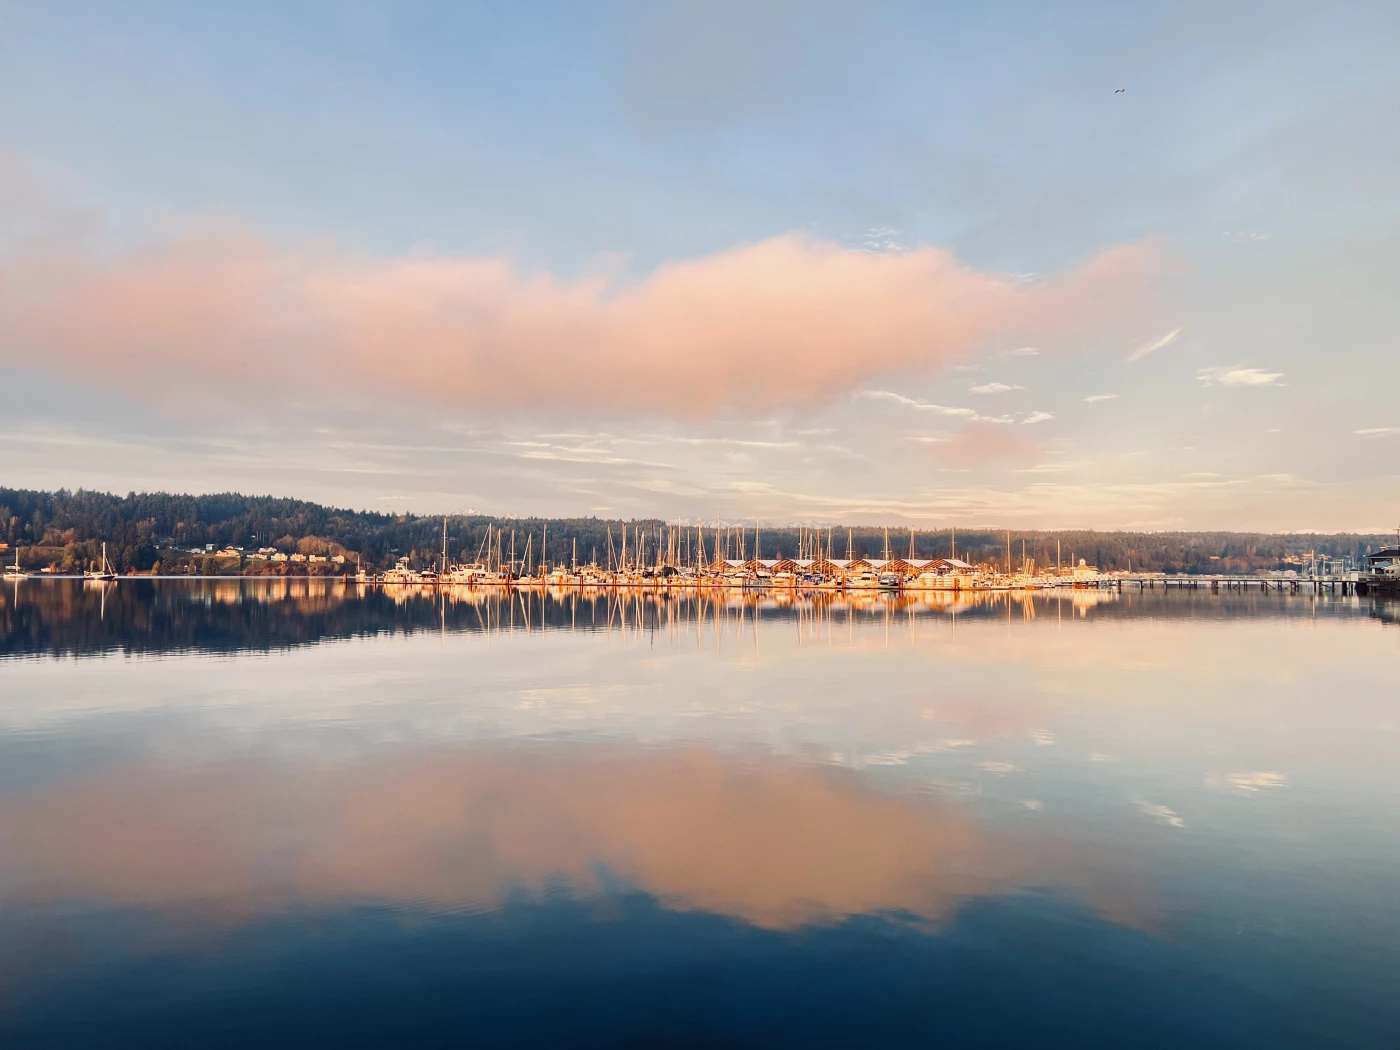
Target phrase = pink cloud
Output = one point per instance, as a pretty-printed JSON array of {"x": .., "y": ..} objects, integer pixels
[{"x": 786, "y": 321}]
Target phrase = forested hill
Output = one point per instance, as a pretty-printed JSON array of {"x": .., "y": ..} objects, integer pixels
[{"x": 143, "y": 530}]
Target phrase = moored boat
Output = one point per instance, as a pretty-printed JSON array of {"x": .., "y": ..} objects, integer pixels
[
  {"x": 103, "y": 573},
  {"x": 14, "y": 572},
  {"x": 401, "y": 573}
]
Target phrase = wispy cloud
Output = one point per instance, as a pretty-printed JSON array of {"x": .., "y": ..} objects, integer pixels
[
  {"x": 1154, "y": 346},
  {"x": 1020, "y": 351},
  {"x": 1377, "y": 432},
  {"x": 919, "y": 405},
  {"x": 1237, "y": 376},
  {"x": 995, "y": 388},
  {"x": 1037, "y": 417},
  {"x": 1094, "y": 399},
  {"x": 1058, "y": 467},
  {"x": 883, "y": 239}
]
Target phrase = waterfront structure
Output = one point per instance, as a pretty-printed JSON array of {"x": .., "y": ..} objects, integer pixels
[{"x": 1382, "y": 573}]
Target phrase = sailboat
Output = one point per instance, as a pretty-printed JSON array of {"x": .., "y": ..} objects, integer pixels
[
  {"x": 14, "y": 572},
  {"x": 104, "y": 573}
]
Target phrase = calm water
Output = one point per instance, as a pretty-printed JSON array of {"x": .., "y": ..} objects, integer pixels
[{"x": 239, "y": 813}]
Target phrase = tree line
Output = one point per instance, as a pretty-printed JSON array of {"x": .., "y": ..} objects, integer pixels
[{"x": 156, "y": 530}]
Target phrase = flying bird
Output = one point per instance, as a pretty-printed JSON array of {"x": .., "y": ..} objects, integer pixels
[{"x": 1120, "y": 91}]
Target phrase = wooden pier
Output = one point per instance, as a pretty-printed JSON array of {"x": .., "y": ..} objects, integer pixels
[{"x": 1265, "y": 584}]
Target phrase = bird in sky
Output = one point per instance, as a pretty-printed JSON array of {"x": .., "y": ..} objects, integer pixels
[{"x": 1120, "y": 91}]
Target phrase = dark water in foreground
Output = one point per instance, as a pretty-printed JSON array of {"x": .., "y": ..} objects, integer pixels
[{"x": 268, "y": 813}]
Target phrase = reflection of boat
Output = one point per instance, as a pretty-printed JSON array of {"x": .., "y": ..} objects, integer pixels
[
  {"x": 14, "y": 572},
  {"x": 104, "y": 572}
]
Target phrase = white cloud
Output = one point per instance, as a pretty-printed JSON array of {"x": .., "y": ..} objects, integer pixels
[
  {"x": 1020, "y": 351},
  {"x": 1154, "y": 346},
  {"x": 1094, "y": 399},
  {"x": 995, "y": 388},
  {"x": 1037, "y": 417},
  {"x": 1237, "y": 376},
  {"x": 1377, "y": 432}
]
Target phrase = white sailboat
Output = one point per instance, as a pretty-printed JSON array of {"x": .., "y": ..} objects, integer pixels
[
  {"x": 104, "y": 573},
  {"x": 14, "y": 572}
]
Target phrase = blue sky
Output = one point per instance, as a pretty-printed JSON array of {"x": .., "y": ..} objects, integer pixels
[{"x": 1253, "y": 155}]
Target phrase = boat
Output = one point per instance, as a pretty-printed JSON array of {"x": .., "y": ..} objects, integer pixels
[
  {"x": 14, "y": 572},
  {"x": 865, "y": 579},
  {"x": 104, "y": 573},
  {"x": 471, "y": 574},
  {"x": 401, "y": 573}
]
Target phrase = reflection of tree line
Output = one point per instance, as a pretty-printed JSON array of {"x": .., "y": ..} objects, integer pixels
[{"x": 69, "y": 617}]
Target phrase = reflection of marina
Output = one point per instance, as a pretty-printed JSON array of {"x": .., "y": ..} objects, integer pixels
[
  {"x": 260, "y": 614},
  {"x": 225, "y": 615}
]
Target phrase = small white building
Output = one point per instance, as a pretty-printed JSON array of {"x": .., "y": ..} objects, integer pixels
[{"x": 1084, "y": 573}]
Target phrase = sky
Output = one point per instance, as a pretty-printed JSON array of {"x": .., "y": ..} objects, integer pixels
[{"x": 919, "y": 264}]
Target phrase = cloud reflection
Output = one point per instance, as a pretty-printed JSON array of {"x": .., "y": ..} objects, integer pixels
[{"x": 772, "y": 841}]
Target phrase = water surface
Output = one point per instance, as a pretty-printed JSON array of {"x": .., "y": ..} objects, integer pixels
[{"x": 277, "y": 811}]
